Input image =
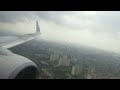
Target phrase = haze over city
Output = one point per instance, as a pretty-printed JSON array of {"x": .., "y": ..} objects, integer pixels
[{"x": 99, "y": 29}]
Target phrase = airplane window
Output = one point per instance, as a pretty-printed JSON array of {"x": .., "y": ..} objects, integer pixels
[{"x": 63, "y": 44}]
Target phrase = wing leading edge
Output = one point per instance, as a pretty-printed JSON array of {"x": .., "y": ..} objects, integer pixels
[{"x": 11, "y": 41}]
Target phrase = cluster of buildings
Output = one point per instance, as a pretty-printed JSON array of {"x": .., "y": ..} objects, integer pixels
[
  {"x": 62, "y": 61},
  {"x": 76, "y": 69}
]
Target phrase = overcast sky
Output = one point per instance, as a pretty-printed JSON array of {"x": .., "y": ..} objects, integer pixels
[{"x": 100, "y": 29}]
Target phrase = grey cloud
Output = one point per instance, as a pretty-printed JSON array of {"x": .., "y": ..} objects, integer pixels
[
  {"x": 57, "y": 17},
  {"x": 14, "y": 16},
  {"x": 110, "y": 20},
  {"x": 52, "y": 16}
]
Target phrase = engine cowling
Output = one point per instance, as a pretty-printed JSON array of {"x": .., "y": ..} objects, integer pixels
[{"x": 13, "y": 66}]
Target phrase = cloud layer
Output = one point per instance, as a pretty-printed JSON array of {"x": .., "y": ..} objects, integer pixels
[{"x": 92, "y": 28}]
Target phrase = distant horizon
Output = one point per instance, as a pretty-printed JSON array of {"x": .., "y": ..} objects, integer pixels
[{"x": 6, "y": 33}]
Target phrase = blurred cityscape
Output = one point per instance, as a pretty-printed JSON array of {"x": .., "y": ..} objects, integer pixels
[{"x": 65, "y": 61}]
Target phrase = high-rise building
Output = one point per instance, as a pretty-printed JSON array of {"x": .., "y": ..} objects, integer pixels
[
  {"x": 76, "y": 69},
  {"x": 64, "y": 61},
  {"x": 91, "y": 73},
  {"x": 54, "y": 57}
]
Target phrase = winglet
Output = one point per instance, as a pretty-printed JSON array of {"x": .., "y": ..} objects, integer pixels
[{"x": 37, "y": 27}]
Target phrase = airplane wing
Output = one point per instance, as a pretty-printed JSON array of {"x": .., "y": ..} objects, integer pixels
[
  {"x": 14, "y": 66},
  {"x": 11, "y": 41}
]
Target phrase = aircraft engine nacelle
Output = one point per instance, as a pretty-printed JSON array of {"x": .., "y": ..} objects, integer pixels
[{"x": 13, "y": 66}]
